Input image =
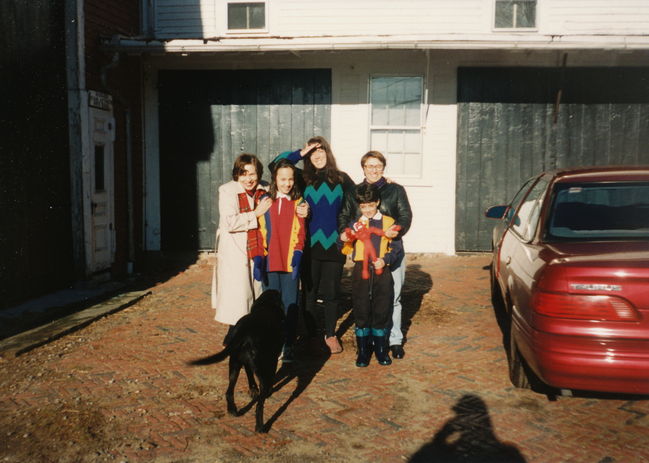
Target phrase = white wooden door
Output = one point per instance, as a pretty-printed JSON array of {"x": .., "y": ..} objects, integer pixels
[{"x": 102, "y": 230}]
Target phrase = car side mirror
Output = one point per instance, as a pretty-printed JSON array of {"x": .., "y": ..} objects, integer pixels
[{"x": 496, "y": 212}]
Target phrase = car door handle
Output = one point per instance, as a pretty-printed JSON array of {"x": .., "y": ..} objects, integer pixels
[{"x": 508, "y": 260}]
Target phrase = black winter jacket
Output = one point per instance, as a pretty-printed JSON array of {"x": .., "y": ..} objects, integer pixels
[{"x": 394, "y": 203}]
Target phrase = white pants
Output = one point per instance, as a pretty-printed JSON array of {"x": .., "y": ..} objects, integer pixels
[{"x": 398, "y": 276}]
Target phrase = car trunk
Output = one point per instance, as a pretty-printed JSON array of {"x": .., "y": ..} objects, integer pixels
[{"x": 619, "y": 269}]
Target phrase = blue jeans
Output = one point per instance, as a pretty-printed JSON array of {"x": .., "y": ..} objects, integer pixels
[
  {"x": 288, "y": 288},
  {"x": 398, "y": 276}
]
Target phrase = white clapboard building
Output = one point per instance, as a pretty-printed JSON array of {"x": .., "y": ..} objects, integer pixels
[{"x": 466, "y": 98}]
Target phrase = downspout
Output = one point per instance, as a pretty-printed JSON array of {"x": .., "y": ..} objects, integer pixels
[
  {"x": 562, "y": 82},
  {"x": 129, "y": 154}
]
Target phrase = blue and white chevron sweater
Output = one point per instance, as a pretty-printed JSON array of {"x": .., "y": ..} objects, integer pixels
[{"x": 325, "y": 201}]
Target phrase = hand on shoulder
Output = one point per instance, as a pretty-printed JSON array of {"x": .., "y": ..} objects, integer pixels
[
  {"x": 302, "y": 210},
  {"x": 263, "y": 206}
]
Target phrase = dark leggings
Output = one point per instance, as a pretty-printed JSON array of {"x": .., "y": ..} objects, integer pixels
[{"x": 322, "y": 281}]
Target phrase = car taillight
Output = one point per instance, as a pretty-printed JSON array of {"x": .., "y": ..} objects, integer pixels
[{"x": 584, "y": 307}]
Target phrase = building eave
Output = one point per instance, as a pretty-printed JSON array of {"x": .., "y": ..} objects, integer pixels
[{"x": 505, "y": 41}]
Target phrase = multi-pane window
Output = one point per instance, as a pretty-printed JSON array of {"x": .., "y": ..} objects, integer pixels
[
  {"x": 395, "y": 122},
  {"x": 515, "y": 14},
  {"x": 246, "y": 15},
  {"x": 100, "y": 161}
]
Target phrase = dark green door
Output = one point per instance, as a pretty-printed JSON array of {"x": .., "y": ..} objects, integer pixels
[
  {"x": 207, "y": 118},
  {"x": 510, "y": 128}
]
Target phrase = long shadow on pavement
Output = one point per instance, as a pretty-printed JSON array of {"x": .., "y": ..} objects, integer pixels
[
  {"x": 468, "y": 437},
  {"x": 304, "y": 370},
  {"x": 500, "y": 311},
  {"x": 82, "y": 295},
  {"x": 417, "y": 283}
]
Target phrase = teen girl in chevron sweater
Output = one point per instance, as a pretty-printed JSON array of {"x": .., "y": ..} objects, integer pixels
[
  {"x": 324, "y": 187},
  {"x": 283, "y": 235}
]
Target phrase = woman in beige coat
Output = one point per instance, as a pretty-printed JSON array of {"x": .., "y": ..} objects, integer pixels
[{"x": 233, "y": 287}]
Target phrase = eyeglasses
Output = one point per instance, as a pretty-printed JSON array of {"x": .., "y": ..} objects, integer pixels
[{"x": 376, "y": 167}]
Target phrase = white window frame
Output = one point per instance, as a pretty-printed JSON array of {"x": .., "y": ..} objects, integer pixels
[
  {"x": 227, "y": 29},
  {"x": 420, "y": 127},
  {"x": 506, "y": 29}
]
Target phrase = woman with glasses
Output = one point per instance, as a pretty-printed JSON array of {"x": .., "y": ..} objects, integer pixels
[{"x": 394, "y": 203}]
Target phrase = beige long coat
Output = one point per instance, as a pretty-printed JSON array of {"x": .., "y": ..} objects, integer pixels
[{"x": 233, "y": 287}]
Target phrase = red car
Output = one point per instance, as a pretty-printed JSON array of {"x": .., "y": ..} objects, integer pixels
[{"x": 571, "y": 267}]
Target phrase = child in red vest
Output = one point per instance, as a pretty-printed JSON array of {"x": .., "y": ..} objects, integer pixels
[
  {"x": 372, "y": 288},
  {"x": 283, "y": 235}
]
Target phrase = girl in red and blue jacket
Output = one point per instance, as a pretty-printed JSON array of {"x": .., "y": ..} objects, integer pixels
[{"x": 283, "y": 235}]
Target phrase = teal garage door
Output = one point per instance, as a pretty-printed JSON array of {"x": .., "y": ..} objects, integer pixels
[
  {"x": 516, "y": 122},
  {"x": 207, "y": 118}
]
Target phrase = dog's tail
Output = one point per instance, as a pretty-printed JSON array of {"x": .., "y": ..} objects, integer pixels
[
  {"x": 216, "y": 358},
  {"x": 235, "y": 340}
]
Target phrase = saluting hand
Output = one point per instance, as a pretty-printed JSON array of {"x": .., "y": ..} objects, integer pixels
[{"x": 308, "y": 148}]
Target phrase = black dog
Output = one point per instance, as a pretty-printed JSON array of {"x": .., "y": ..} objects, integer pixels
[{"x": 255, "y": 344}]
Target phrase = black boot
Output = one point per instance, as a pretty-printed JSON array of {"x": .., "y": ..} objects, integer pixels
[
  {"x": 381, "y": 349},
  {"x": 364, "y": 347}
]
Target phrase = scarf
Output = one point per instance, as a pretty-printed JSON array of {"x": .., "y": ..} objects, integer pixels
[
  {"x": 379, "y": 183},
  {"x": 255, "y": 245}
]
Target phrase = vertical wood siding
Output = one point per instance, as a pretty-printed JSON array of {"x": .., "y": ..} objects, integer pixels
[
  {"x": 500, "y": 145},
  {"x": 207, "y": 118},
  {"x": 36, "y": 253}
]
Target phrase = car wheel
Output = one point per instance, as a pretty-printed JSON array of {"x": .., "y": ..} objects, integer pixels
[{"x": 517, "y": 367}]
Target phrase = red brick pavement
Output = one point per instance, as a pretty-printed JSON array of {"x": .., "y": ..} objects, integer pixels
[{"x": 128, "y": 373}]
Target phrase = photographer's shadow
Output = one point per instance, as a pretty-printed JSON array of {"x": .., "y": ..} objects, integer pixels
[{"x": 468, "y": 437}]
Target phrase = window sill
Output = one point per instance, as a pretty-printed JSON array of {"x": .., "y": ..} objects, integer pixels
[
  {"x": 246, "y": 31},
  {"x": 514, "y": 29}
]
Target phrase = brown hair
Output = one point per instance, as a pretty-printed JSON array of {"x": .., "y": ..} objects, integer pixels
[
  {"x": 366, "y": 193},
  {"x": 242, "y": 161},
  {"x": 373, "y": 154},
  {"x": 330, "y": 170},
  {"x": 282, "y": 164}
]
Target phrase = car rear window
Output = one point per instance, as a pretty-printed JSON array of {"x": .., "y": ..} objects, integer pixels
[{"x": 599, "y": 211}]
